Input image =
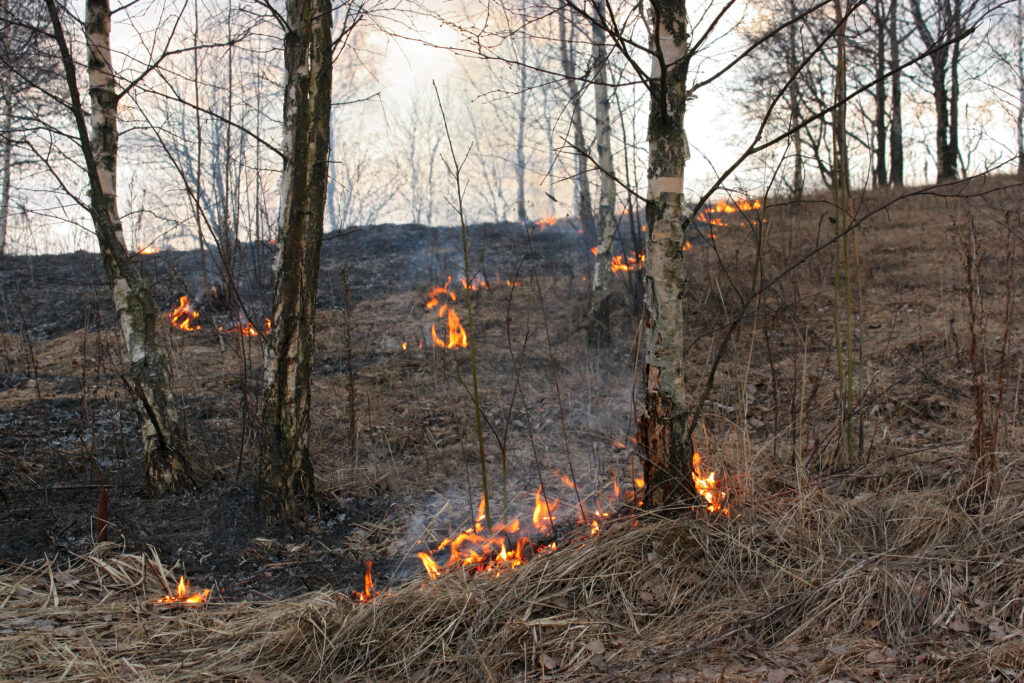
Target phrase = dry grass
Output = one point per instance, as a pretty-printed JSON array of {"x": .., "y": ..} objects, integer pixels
[
  {"x": 885, "y": 570},
  {"x": 891, "y": 584}
]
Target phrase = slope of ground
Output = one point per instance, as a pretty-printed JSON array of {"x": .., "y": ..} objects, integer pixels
[{"x": 900, "y": 560}]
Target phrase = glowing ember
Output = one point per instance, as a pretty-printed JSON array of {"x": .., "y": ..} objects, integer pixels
[
  {"x": 182, "y": 596},
  {"x": 369, "y": 592},
  {"x": 707, "y": 487},
  {"x": 183, "y": 317}
]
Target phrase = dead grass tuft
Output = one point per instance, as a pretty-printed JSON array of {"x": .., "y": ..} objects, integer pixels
[{"x": 888, "y": 582}]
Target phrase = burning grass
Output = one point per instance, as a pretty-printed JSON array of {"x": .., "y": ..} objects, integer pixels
[{"x": 888, "y": 584}]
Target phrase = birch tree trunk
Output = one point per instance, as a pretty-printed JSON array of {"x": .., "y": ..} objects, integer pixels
[
  {"x": 163, "y": 433},
  {"x": 7, "y": 136},
  {"x": 667, "y": 448},
  {"x": 601, "y": 294},
  {"x": 585, "y": 205},
  {"x": 285, "y": 467}
]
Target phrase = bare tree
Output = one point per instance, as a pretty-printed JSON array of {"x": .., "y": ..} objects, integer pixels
[
  {"x": 28, "y": 64},
  {"x": 667, "y": 447},
  {"x": 163, "y": 435},
  {"x": 940, "y": 26},
  {"x": 600, "y": 302},
  {"x": 285, "y": 469}
]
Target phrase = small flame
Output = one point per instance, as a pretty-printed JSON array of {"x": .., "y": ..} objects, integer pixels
[
  {"x": 686, "y": 246},
  {"x": 621, "y": 264},
  {"x": 547, "y": 222},
  {"x": 593, "y": 250},
  {"x": 184, "y": 315},
  {"x": 707, "y": 487},
  {"x": 245, "y": 328},
  {"x": 433, "y": 571},
  {"x": 543, "y": 513},
  {"x": 149, "y": 250},
  {"x": 184, "y": 597},
  {"x": 369, "y": 592},
  {"x": 405, "y": 345}
]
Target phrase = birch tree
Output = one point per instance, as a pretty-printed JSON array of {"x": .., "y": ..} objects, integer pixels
[
  {"x": 667, "y": 448},
  {"x": 285, "y": 469},
  {"x": 163, "y": 435},
  {"x": 600, "y": 302}
]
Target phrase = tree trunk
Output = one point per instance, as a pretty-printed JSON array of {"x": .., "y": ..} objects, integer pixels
[
  {"x": 521, "y": 144},
  {"x": 881, "y": 176},
  {"x": 896, "y": 117},
  {"x": 793, "y": 98},
  {"x": 601, "y": 294},
  {"x": 285, "y": 467},
  {"x": 163, "y": 433},
  {"x": 663, "y": 434},
  {"x": 1019, "y": 48},
  {"x": 5, "y": 174},
  {"x": 585, "y": 205},
  {"x": 941, "y": 98}
]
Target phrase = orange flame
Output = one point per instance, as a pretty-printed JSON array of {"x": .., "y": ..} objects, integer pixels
[
  {"x": 184, "y": 597},
  {"x": 707, "y": 487},
  {"x": 547, "y": 222},
  {"x": 622, "y": 264},
  {"x": 369, "y": 592},
  {"x": 722, "y": 206},
  {"x": 149, "y": 250},
  {"x": 246, "y": 328},
  {"x": 504, "y": 546},
  {"x": 543, "y": 513},
  {"x": 457, "y": 338},
  {"x": 433, "y": 571},
  {"x": 183, "y": 316}
]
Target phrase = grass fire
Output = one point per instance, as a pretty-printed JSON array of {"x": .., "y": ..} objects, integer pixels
[{"x": 590, "y": 341}]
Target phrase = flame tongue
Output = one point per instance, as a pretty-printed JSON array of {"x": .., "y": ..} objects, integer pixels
[
  {"x": 183, "y": 317},
  {"x": 707, "y": 487},
  {"x": 457, "y": 338},
  {"x": 369, "y": 592},
  {"x": 182, "y": 595}
]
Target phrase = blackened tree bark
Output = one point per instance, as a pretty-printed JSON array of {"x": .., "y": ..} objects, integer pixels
[
  {"x": 664, "y": 438},
  {"x": 163, "y": 432},
  {"x": 285, "y": 474}
]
